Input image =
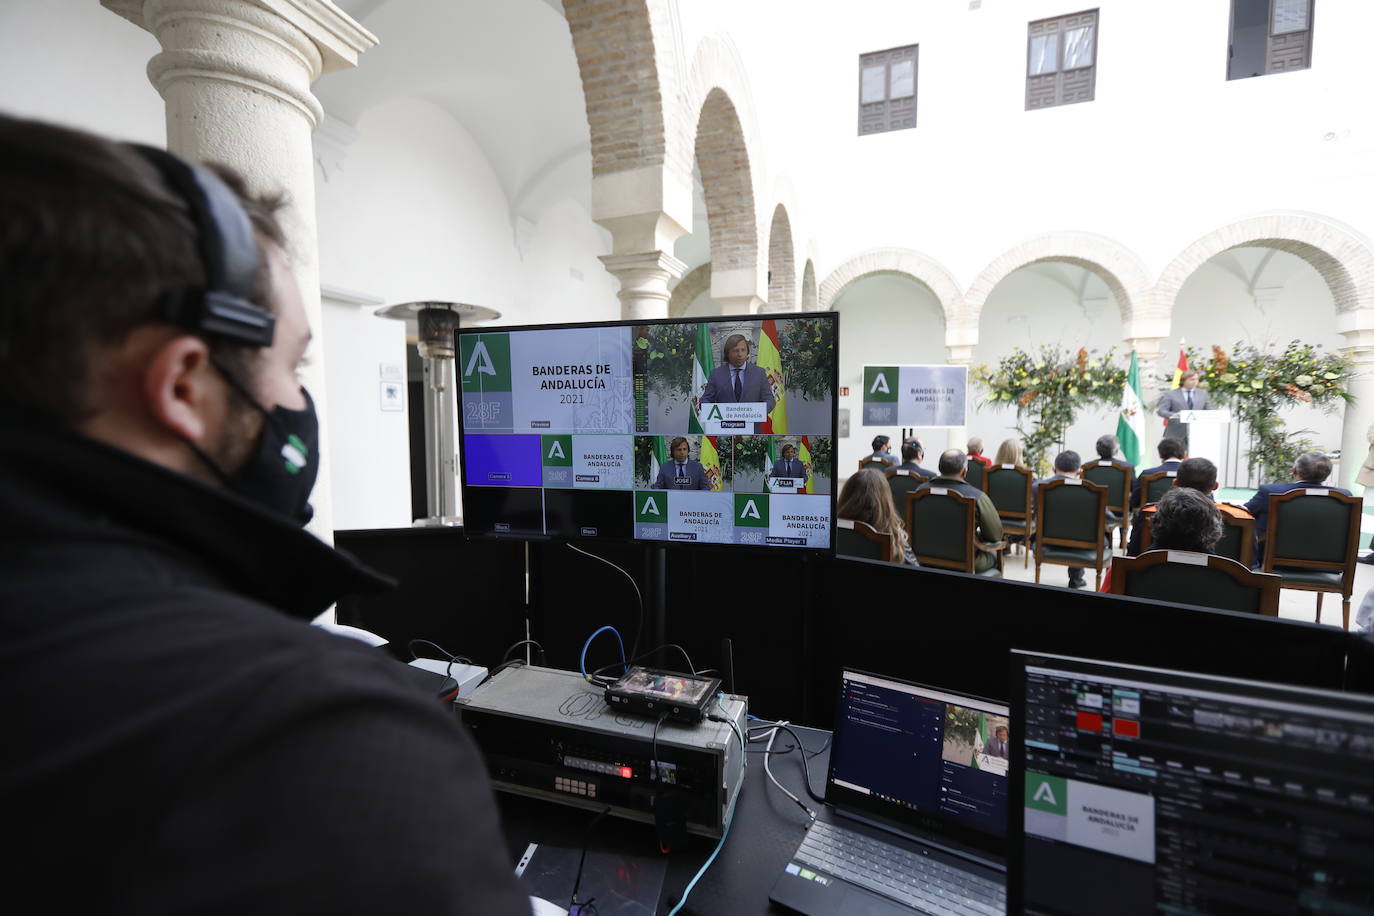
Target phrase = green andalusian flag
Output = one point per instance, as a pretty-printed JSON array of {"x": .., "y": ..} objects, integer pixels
[
  {"x": 658, "y": 454},
  {"x": 1130, "y": 425},
  {"x": 701, "y": 371}
]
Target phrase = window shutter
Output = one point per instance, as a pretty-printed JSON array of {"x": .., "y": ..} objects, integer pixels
[
  {"x": 1042, "y": 64},
  {"x": 1290, "y": 36},
  {"x": 1061, "y": 60},
  {"x": 887, "y": 90}
]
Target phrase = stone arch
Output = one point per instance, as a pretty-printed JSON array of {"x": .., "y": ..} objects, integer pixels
[
  {"x": 696, "y": 282},
  {"x": 1116, "y": 265},
  {"x": 727, "y": 148},
  {"x": 810, "y": 300},
  {"x": 630, "y": 81},
  {"x": 782, "y": 268},
  {"x": 901, "y": 261},
  {"x": 1343, "y": 258}
]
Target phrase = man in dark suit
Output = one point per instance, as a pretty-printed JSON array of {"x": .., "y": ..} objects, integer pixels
[
  {"x": 882, "y": 451},
  {"x": 789, "y": 465},
  {"x": 1176, "y": 400},
  {"x": 912, "y": 455},
  {"x": 997, "y": 746},
  {"x": 737, "y": 381},
  {"x": 1309, "y": 471},
  {"x": 953, "y": 470},
  {"x": 1171, "y": 455},
  {"x": 1068, "y": 465},
  {"x": 682, "y": 473}
]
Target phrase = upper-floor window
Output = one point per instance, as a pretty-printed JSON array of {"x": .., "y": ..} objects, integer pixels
[
  {"x": 1061, "y": 60},
  {"x": 1269, "y": 36},
  {"x": 887, "y": 90}
]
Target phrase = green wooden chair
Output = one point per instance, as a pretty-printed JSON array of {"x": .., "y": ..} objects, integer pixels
[
  {"x": 1009, "y": 488},
  {"x": 977, "y": 474},
  {"x": 1071, "y": 514},
  {"x": 860, "y": 539},
  {"x": 903, "y": 482},
  {"x": 876, "y": 464},
  {"x": 1116, "y": 477},
  {"x": 1154, "y": 486},
  {"x": 943, "y": 527},
  {"x": 1314, "y": 535},
  {"x": 1206, "y": 580}
]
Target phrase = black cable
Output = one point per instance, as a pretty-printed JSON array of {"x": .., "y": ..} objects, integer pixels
[
  {"x": 524, "y": 642},
  {"x": 634, "y": 646},
  {"x": 452, "y": 659},
  {"x": 573, "y": 905},
  {"x": 653, "y": 764}
]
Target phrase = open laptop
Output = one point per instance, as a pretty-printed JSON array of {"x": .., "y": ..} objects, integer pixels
[{"x": 915, "y": 818}]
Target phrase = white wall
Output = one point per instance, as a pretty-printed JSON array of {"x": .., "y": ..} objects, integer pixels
[
  {"x": 884, "y": 321},
  {"x": 1167, "y": 152}
]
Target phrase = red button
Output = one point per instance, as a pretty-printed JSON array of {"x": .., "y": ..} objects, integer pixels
[{"x": 626, "y": 772}]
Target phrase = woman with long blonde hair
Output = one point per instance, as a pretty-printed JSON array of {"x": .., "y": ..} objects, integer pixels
[
  {"x": 1009, "y": 452},
  {"x": 866, "y": 497}
]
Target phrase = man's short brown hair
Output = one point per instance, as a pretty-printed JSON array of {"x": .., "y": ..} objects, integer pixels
[{"x": 91, "y": 243}]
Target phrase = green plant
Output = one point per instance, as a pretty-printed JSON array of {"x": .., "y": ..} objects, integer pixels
[
  {"x": 750, "y": 452},
  {"x": 668, "y": 351},
  {"x": 808, "y": 356},
  {"x": 1048, "y": 390},
  {"x": 821, "y": 449}
]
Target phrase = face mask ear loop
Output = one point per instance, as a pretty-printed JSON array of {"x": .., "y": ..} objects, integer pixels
[
  {"x": 244, "y": 393},
  {"x": 209, "y": 462}
]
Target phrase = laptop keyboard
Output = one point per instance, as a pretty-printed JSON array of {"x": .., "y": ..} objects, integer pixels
[{"x": 915, "y": 880}]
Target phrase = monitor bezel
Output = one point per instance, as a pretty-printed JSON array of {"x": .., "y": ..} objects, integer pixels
[{"x": 463, "y": 485}]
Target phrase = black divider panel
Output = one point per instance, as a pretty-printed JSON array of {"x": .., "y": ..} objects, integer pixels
[
  {"x": 465, "y": 595},
  {"x": 954, "y": 631}
]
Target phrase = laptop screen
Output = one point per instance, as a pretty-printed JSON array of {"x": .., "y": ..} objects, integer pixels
[
  {"x": 1163, "y": 791},
  {"x": 920, "y": 757}
]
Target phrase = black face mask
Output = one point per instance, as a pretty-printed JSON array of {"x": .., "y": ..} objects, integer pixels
[{"x": 281, "y": 471}]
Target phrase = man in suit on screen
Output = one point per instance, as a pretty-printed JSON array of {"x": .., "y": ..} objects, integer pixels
[
  {"x": 737, "y": 381},
  {"x": 682, "y": 473},
  {"x": 789, "y": 465}
]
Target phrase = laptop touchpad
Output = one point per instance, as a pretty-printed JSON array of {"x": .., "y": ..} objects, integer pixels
[{"x": 859, "y": 903}]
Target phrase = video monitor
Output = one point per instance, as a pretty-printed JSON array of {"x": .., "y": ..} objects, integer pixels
[
  {"x": 703, "y": 431},
  {"x": 1139, "y": 790}
]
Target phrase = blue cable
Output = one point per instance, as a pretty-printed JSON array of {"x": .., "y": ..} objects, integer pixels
[
  {"x": 585, "y": 645},
  {"x": 693, "y": 883}
]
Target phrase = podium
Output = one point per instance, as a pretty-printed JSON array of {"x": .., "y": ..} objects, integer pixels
[
  {"x": 1206, "y": 432},
  {"x": 786, "y": 484}
]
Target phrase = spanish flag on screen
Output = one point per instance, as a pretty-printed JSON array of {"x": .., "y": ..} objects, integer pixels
[
  {"x": 770, "y": 361},
  {"x": 1181, "y": 368},
  {"x": 710, "y": 461}
]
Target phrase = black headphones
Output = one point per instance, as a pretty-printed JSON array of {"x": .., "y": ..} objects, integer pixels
[{"x": 228, "y": 250}]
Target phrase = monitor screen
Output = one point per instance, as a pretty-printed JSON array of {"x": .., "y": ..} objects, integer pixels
[
  {"x": 1149, "y": 791},
  {"x": 920, "y": 756},
  {"x": 706, "y": 431}
]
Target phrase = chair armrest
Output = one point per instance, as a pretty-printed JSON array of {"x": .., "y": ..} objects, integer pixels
[{"x": 994, "y": 547}]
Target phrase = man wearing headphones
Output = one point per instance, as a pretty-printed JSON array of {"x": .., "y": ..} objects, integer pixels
[{"x": 179, "y": 739}]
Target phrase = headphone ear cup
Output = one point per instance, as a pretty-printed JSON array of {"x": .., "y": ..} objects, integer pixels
[{"x": 229, "y": 255}]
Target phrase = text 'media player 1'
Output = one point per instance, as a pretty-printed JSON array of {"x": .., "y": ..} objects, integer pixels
[{"x": 688, "y": 431}]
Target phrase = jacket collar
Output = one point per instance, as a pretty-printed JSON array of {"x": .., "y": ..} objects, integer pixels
[{"x": 58, "y": 484}]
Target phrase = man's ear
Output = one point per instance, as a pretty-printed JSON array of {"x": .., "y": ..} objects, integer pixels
[
  {"x": 180, "y": 385},
  {"x": 1216, "y": 484}
]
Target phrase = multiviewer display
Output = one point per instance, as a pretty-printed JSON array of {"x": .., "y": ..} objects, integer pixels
[{"x": 716, "y": 431}]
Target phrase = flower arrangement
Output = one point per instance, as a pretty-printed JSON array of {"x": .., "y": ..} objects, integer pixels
[
  {"x": 669, "y": 351},
  {"x": 808, "y": 353},
  {"x": 1048, "y": 389},
  {"x": 1256, "y": 384}
]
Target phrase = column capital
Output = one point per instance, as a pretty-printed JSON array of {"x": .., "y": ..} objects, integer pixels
[
  {"x": 644, "y": 277},
  {"x": 958, "y": 355}
]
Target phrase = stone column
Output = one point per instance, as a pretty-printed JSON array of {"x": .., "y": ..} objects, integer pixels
[
  {"x": 960, "y": 339},
  {"x": 1355, "y": 425},
  {"x": 236, "y": 78},
  {"x": 644, "y": 278}
]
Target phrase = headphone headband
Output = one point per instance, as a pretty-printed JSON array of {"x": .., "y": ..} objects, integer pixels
[{"x": 228, "y": 251}]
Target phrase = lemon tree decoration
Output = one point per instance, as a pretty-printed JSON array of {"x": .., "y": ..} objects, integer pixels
[{"x": 1048, "y": 390}]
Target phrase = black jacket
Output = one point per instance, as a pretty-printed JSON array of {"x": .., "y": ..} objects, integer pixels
[{"x": 178, "y": 739}]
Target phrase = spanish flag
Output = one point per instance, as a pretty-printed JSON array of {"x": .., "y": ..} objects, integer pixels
[
  {"x": 1182, "y": 366},
  {"x": 770, "y": 361},
  {"x": 805, "y": 455},
  {"x": 710, "y": 462}
]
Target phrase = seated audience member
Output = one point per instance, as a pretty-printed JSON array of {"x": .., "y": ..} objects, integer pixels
[
  {"x": 1107, "y": 447},
  {"x": 1309, "y": 471},
  {"x": 912, "y": 455},
  {"x": 866, "y": 497},
  {"x": 1009, "y": 452},
  {"x": 1193, "y": 474},
  {"x": 953, "y": 470},
  {"x": 975, "y": 451},
  {"x": 1171, "y": 455},
  {"x": 186, "y": 742},
  {"x": 882, "y": 451},
  {"x": 1184, "y": 519},
  {"x": 1067, "y": 465}
]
